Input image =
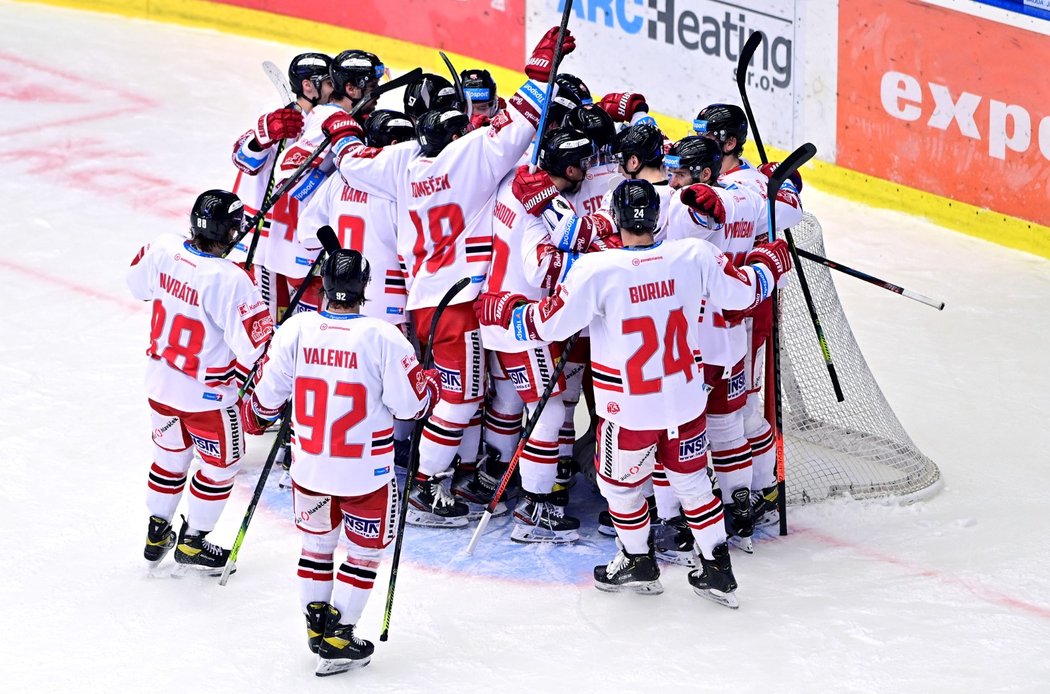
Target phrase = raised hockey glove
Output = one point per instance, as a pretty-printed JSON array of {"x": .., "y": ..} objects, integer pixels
[
  {"x": 341, "y": 125},
  {"x": 796, "y": 178},
  {"x": 605, "y": 243},
  {"x": 703, "y": 198},
  {"x": 253, "y": 423},
  {"x": 622, "y": 106},
  {"x": 541, "y": 62},
  {"x": 496, "y": 308},
  {"x": 775, "y": 256},
  {"x": 533, "y": 190},
  {"x": 282, "y": 124}
]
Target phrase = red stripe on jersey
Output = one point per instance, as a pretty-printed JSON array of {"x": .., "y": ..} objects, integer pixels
[
  {"x": 600, "y": 385},
  {"x": 711, "y": 521},
  {"x": 383, "y": 450},
  {"x": 382, "y": 434},
  {"x": 731, "y": 468},
  {"x": 605, "y": 369}
]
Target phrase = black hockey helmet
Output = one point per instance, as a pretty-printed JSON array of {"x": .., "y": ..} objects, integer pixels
[
  {"x": 356, "y": 68},
  {"x": 593, "y": 122},
  {"x": 344, "y": 275},
  {"x": 643, "y": 140},
  {"x": 695, "y": 153},
  {"x": 564, "y": 147},
  {"x": 571, "y": 92},
  {"x": 636, "y": 206},
  {"x": 216, "y": 216},
  {"x": 315, "y": 67},
  {"x": 480, "y": 88},
  {"x": 436, "y": 129},
  {"x": 722, "y": 121},
  {"x": 430, "y": 93},
  {"x": 385, "y": 127}
]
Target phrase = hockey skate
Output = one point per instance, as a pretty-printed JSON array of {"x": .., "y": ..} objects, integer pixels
[
  {"x": 714, "y": 579},
  {"x": 340, "y": 649},
  {"x": 316, "y": 618},
  {"x": 629, "y": 573},
  {"x": 538, "y": 519},
  {"x": 194, "y": 552},
  {"x": 430, "y": 505},
  {"x": 764, "y": 511},
  {"x": 673, "y": 542},
  {"x": 564, "y": 479},
  {"x": 160, "y": 538},
  {"x": 284, "y": 461},
  {"x": 475, "y": 488},
  {"x": 740, "y": 525}
]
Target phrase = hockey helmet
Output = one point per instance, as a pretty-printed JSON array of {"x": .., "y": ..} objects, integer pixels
[
  {"x": 644, "y": 141},
  {"x": 344, "y": 275},
  {"x": 695, "y": 154},
  {"x": 722, "y": 121},
  {"x": 564, "y": 147},
  {"x": 570, "y": 93},
  {"x": 315, "y": 67},
  {"x": 385, "y": 127},
  {"x": 480, "y": 88},
  {"x": 356, "y": 68},
  {"x": 216, "y": 216},
  {"x": 592, "y": 122},
  {"x": 436, "y": 129},
  {"x": 430, "y": 93},
  {"x": 636, "y": 206}
]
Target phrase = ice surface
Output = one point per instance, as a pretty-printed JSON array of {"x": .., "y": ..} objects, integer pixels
[{"x": 109, "y": 129}]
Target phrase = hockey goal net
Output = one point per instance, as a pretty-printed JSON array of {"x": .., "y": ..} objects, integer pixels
[{"x": 857, "y": 447}]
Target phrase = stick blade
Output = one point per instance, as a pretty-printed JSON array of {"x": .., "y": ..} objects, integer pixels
[
  {"x": 786, "y": 168},
  {"x": 753, "y": 42},
  {"x": 326, "y": 235}
]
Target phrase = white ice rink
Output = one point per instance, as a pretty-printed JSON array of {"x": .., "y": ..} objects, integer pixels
[{"x": 110, "y": 127}]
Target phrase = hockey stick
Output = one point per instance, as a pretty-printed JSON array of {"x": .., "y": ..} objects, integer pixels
[
  {"x": 831, "y": 264},
  {"x": 292, "y": 180},
  {"x": 456, "y": 80},
  {"x": 529, "y": 426},
  {"x": 550, "y": 85},
  {"x": 742, "y": 65},
  {"x": 331, "y": 244},
  {"x": 413, "y": 460}
]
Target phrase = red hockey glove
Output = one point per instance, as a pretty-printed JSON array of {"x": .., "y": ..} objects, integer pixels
[
  {"x": 703, "y": 198},
  {"x": 432, "y": 386},
  {"x": 796, "y": 178},
  {"x": 495, "y": 308},
  {"x": 479, "y": 120},
  {"x": 541, "y": 62},
  {"x": 533, "y": 190},
  {"x": 282, "y": 124},
  {"x": 623, "y": 105},
  {"x": 252, "y": 423},
  {"x": 605, "y": 243},
  {"x": 340, "y": 125},
  {"x": 775, "y": 256}
]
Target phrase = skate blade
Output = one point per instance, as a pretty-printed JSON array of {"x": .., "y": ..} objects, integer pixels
[
  {"x": 639, "y": 587},
  {"x": 768, "y": 519},
  {"x": 742, "y": 543},
  {"x": 182, "y": 570},
  {"x": 531, "y": 534},
  {"x": 475, "y": 510},
  {"x": 429, "y": 520},
  {"x": 676, "y": 557},
  {"x": 607, "y": 531},
  {"x": 327, "y": 667},
  {"x": 725, "y": 599}
]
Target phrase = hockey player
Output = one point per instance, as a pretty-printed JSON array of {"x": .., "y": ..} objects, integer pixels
[
  {"x": 480, "y": 89},
  {"x": 642, "y": 303},
  {"x": 347, "y": 376},
  {"x": 570, "y": 91},
  {"x": 444, "y": 188},
  {"x": 430, "y": 93},
  {"x": 602, "y": 175},
  {"x": 209, "y": 327}
]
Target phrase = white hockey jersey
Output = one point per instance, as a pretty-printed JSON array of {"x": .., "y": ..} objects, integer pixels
[
  {"x": 209, "y": 324},
  {"x": 599, "y": 181},
  {"x": 643, "y": 307},
  {"x": 367, "y": 224},
  {"x": 444, "y": 202},
  {"x": 348, "y": 376},
  {"x": 253, "y": 181},
  {"x": 789, "y": 205}
]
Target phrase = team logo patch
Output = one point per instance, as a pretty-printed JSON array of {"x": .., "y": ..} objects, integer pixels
[
  {"x": 691, "y": 449},
  {"x": 209, "y": 447},
  {"x": 379, "y": 471},
  {"x": 519, "y": 376},
  {"x": 737, "y": 386},
  {"x": 612, "y": 408},
  {"x": 450, "y": 379},
  {"x": 259, "y": 327},
  {"x": 362, "y": 527},
  {"x": 408, "y": 362},
  {"x": 217, "y": 397}
]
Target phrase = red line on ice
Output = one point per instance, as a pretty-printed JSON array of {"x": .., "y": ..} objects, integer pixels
[{"x": 80, "y": 289}]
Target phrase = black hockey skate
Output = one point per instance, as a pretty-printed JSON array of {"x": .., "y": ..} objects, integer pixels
[
  {"x": 316, "y": 618},
  {"x": 564, "y": 479},
  {"x": 740, "y": 525},
  {"x": 538, "y": 519},
  {"x": 195, "y": 552},
  {"x": 430, "y": 505},
  {"x": 764, "y": 509},
  {"x": 629, "y": 573},
  {"x": 340, "y": 649},
  {"x": 475, "y": 488},
  {"x": 714, "y": 579},
  {"x": 673, "y": 541},
  {"x": 160, "y": 538}
]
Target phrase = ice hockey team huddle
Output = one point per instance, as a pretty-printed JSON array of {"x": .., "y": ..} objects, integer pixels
[{"x": 623, "y": 269}]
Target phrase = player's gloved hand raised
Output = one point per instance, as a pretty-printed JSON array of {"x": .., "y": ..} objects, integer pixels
[
  {"x": 282, "y": 124},
  {"x": 533, "y": 190},
  {"x": 496, "y": 308},
  {"x": 775, "y": 256},
  {"x": 769, "y": 167},
  {"x": 605, "y": 243},
  {"x": 703, "y": 198},
  {"x": 541, "y": 62},
  {"x": 253, "y": 424},
  {"x": 622, "y": 106},
  {"x": 340, "y": 125}
]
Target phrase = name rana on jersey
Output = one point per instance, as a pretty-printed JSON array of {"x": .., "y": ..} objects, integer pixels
[
  {"x": 421, "y": 189},
  {"x": 339, "y": 358},
  {"x": 182, "y": 292},
  {"x": 651, "y": 290}
]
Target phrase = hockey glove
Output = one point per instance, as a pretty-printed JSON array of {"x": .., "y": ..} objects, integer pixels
[
  {"x": 796, "y": 178},
  {"x": 496, "y": 308},
  {"x": 622, "y": 106},
  {"x": 282, "y": 124},
  {"x": 431, "y": 382},
  {"x": 340, "y": 125},
  {"x": 703, "y": 198},
  {"x": 605, "y": 243},
  {"x": 541, "y": 62},
  {"x": 776, "y": 257},
  {"x": 253, "y": 423},
  {"x": 533, "y": 190}
]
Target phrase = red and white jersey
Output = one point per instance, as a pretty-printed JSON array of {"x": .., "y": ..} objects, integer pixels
[
  {"x": 643, "y": 307},
  {"x": 348, "y": 376},
  {"x": 664, "y": 190},
  {"x": 600, "y": 181},
  {"x": 444, "y": 202},
  {"x": 367, "y": 224},
  {"x": 209, "y": 324},
  {"x": 789, "y": 206},
  {"x": 254, "y": 173}
]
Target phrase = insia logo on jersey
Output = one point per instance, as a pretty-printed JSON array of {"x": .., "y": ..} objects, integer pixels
[
  {"x": 519, "y": 377},
  {"x": 737, "y": 386},
  {"x": 450, "y": 379},
  {"x": 691, "y": 449},
  {"x": 362, "y": 527},
  {"x": 209, "y": 447}
]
